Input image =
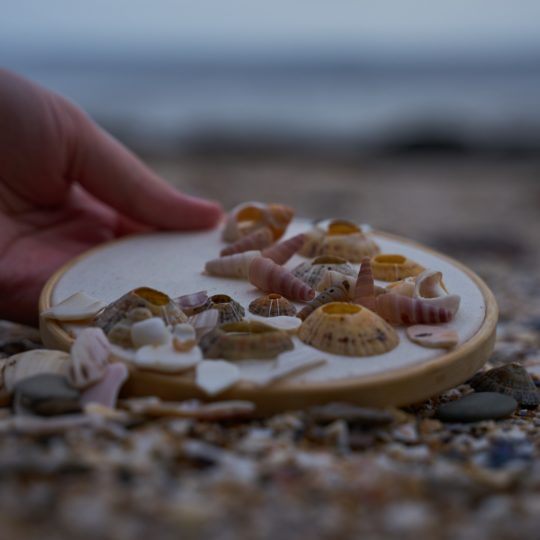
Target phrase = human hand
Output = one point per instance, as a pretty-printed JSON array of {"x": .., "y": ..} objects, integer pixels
[{"x": 65, "y": 186}]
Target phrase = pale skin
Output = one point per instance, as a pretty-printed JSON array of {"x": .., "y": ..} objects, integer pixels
[{"x": 66, "y": 186}]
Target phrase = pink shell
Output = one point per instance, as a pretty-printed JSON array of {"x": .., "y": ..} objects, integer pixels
[
  {"x": 258, "y": 239},
  {"x": 364, "y": 291},
  {"x": 400, "y": 309},
  {"x": 236, "y": 266},
  {"x": 282, "y": 252},
  {"x": 273, "y": 278}
]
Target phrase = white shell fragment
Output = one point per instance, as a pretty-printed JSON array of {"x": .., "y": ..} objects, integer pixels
[
  {"x": 286, "y": 370},
  {"x": 433, "y": 336},
  {"x": 166, "y": 359},
  {"x": 282, "y": 322},
  {"x": 215, "y": 376},
  {"x": 184, "y": 337},
  {"x": 150, "y": 332},
  {"x": 89, "y": 358},
  {"x": 204, "y": 321},
  {"x": 78, "y": 307}
]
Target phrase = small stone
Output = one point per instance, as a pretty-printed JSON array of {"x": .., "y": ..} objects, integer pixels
[
  {"x": 46, "y": 394},
  {"x": 436, "y": 337},
  {"x": 478, "y": 406},
  {"x": 106, "y": 391},
  {"x": 351, "y": 414}
]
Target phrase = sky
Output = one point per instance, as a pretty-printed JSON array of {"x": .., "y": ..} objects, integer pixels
[{"x": 273, "y": 25}]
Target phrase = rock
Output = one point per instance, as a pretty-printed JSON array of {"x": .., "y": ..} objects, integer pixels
[
  {"x": 352, "y": 414},
  {"x": 46, "y": 394},
  {"x": 106, "y": 391},
  {"x": 478, "y": 406}
]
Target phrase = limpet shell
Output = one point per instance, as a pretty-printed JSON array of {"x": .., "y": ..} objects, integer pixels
[
  {"x": 312, "y": 272},
  {"x": 432, "y": 336},
  {"x": 348, "y": 329},
  {"x": 89, "y": 358},
  {"x": 512, "y": 380},
  {"x": 272, "y": 305},
  {"x": 78, "y": 307},
  {"x": 229, "y": 309},
  {"x": 393, "y": 267},
  {"x": 332, "y": 294},
  {"x": 244, "y": 340},
  {"x": 233, "y": 266}
]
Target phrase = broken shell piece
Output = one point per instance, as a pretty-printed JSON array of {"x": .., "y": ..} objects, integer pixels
[
  {"x": 244, "y": 340},
  {"x": 257, "y": 240},
  {"x": 150, "y": 332},
  {"x": 216, "y": 376},
  {"x": 364, "y": 290},
  {"x": 405, "y": 287},
  {"x": 106, "y": 391},
  {"x": 78, "y": 307},
  {"x": 120, "y": 334},
  {"x": 166, "y": 359},
  {"x": 284, "y": 323},
  {"x": 348, "y": 329},
  {"x": 391, "y": 267},
  {"x": 280, "y": 253},
  {"x": 233, "y": 266},
  {"x": 89, "y": 358},
  {"x": 27, "y": 364},
  {"x": 312, "y": 272},
  {"x": 287, "y": 370},
  {"x": 512, "y": 380},
  {"x": 204, "y": 321},
  {"x": 190, "y": 302},
  {"x": 429, "y": 284},
  {"x": 184, "y": 337},
  {"x": 272, "y": 278},
  {"x": 332, "y": 294},
  {"x": 336, "y": 279},
  {"x": 272, "y": 305},
  {"x": 433, "y": 336}
]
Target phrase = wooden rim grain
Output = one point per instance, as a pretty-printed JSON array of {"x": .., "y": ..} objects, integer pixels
[{"x": 398, "y": 387}]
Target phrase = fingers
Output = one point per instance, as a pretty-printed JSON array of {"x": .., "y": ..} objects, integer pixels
[{"x": 115, "y": 176}]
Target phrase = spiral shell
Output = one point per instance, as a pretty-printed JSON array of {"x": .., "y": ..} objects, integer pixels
[
  {"x": 312, "y": 272},
  {"x": 348, "y": 329},
  {"x": 364, "y": 291},
  {"x": 258, "y": 239},
  {"x": 336, "y": 293},
  {"x": 244, "y": 340},
  {"x": 233, "y": 266},
  {"x": 270, "y": 277},
  {"x": 280, "y": 253},
  {"x": 272, "y": 305},
  {"x": 393, "y": 267}
]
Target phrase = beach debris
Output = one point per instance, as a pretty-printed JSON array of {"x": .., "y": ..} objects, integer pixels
[
  {"x": 106, "y": 391},
  {"x": 166, "y": 358},
  {"x": 89, "y": 358},
  {"x": 150, "y": 332},
  {"x": 216, "y": 376},
  {"x": 184, "y": 337},
  {"x": 432, "y": 336},
  {"x": 77, "y": 307}
]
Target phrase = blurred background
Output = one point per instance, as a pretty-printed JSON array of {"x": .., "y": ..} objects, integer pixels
[{"x": 422, "y": 118}]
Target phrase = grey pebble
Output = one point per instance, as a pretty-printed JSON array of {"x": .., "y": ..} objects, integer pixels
[
  {"x": 351, "y": 414},
  {"x": 478, "y": 406}
]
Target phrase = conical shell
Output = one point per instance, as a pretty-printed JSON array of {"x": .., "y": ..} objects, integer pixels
[
  {"x": 244, "y": 340},
  {"x": 27, "y": 364},
  {"x": 229, "y": 309},
  {"x": 429, "y": 284},
  {"x": 273, "y": 278},
  {"x": 393, "y": 267},
  {"x": 312, "y": 272},
  {"x": 512, "y": 380},
  {"x": 348, "y": 329},
  {"x": 234, "y": 266},
  {"x": 280, "y": 253},
  {"x": 332, "y": 294},
  {"x": 272, "y": 305},
  {"x": 89, "y": 358},
  {"x": 257, "y": 240},
  {"x": 312, "y": 243},
  {"x": 364, "y": 291},
  {"x": 78, "y": 307}
]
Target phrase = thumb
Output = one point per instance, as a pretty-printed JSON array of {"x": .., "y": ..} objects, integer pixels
[{"x": 110, "y": 172}]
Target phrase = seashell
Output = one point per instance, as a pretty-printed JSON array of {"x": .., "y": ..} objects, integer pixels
[
  {"x": 432, "y": 336},
  {"x": 233, "y": 266},
  {"x": 391, "y": 267},
  {"x": 348, "y": 329},
  {"x": 336, "y": 293},
  {"x": 258, "y": 239},
  {"x": 35, "y": 362},
  {"x": 159, "y": 304},
  {"x": 120, "y": 334},
  {"x": 138, "y": 314},
  {"x": 165, "y": 358},
  {"x": 512, "y": 380},
  {"x": 184, "y": 337},
  {"x": 403, "y": 286},
  {"x": 190, "y": 302},
  {"x": 312, "y": 243},
  {"x": 281, "y": 252},
  {"x": 285, "y": 371},
  {"x": 272, "y": 278},
  {"x": 364, "y": 290},
  {"x": 399, "y": 309},
  {"x": 312, "y": 272},
  {"x": 78, "y": 307},
  {"x": 150, "y": 332},
  {"x": 89, "y": 358},
  {"x": 216, "y": 376},
  {"x": 429, "y": 284},
  {"x": 272, "y": 305},
  {"x": 106, "y": 391},
  {"x": 246, "y": 339},
  {"x": 284, "y": 323},
  {"x": 336, "y": 279},
  {"x": 229, "y": 310},
  {"x": 204, "y": 321}
]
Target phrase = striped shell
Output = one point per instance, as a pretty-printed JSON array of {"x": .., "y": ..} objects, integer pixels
[
  {"x": 258, "y": 239},
  {"x": 244, "y": 340},
  {"x": 392, "y": 267},
  {"x": 332, "y": 294},
  {"x": 336, "y": 279},
  {"x": 229, "y": 309},
  {"x": 89, "y": 358},
  {"x": 272, "y": 278},
  {"x": 204, "y": 321},
  {"x": 233, "y": 266},
  {"x": 348, "y": 329},
  {"x": 272, "y": 305},
  {"x": 312, "y": 272},
  {"x": 364, "y": 290},
  {"x": 280, "y": 253}
]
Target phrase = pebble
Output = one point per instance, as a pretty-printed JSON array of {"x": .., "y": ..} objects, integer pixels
[
  {"x": 46, "y": 394},
  {"x": 106, "y": 391},
  {"x": 478, "y": 406},
  {"x": 350, "y": 413}
]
